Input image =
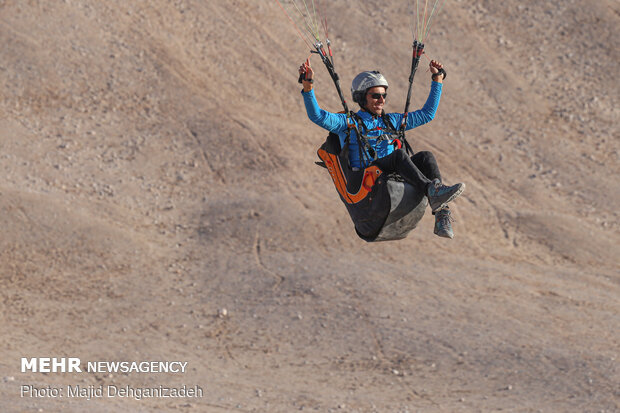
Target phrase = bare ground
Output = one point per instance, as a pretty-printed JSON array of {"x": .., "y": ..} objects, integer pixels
[{"x": 158, "y": 168}]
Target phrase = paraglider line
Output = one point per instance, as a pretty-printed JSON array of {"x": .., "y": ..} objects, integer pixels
[{"x": 294, "y": 25}]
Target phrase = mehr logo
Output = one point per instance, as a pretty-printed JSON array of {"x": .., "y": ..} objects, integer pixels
[{"x": 51, "y": 365}]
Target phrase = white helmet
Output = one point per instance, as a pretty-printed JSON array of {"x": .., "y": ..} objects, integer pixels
[{"x": 365, "y": 81}]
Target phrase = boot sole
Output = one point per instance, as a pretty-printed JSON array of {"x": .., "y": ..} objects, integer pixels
[
  {"x": 444, "y": 234},
  {"x": 454, "y": 195}
]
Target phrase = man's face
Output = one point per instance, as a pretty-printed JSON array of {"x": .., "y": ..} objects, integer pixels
[{"x": 375, "y": 99}]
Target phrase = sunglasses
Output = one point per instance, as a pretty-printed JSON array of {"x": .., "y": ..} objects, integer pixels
[{"x": 378, "y": 95}]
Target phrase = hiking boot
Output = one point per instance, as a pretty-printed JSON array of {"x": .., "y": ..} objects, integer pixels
[
  {"x": 443, "y": 223},
  {"x": 439, "y": 195}
]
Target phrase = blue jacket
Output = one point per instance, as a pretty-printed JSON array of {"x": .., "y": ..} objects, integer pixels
[{"x": 337, "y": 123}]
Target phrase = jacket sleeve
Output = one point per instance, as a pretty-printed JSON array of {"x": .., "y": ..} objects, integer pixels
[
  {"x": 427, "y": 113},
  {"x": 333, "y": 122}
]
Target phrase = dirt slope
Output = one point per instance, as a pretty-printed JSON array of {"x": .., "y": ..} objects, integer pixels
[{"x": 158, "y": 168}]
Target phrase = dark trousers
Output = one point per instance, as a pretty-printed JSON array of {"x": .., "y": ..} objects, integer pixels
[{"x": 418, "y": 170}]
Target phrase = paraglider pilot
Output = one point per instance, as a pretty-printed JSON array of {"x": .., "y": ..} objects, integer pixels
[{"x": 369, "y": 90}]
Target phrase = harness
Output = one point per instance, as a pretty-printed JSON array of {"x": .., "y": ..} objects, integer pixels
[
  {"x": 368, "y": 192},
  {"x": 367, "y": 153}
]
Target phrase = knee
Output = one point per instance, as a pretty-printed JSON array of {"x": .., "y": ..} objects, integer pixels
[
  {"x": 427, "y": 155},
  {"x": 426, "y": 158}
]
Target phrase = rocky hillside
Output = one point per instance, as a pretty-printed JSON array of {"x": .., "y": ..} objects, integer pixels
[{"x": 160, "y": 201}]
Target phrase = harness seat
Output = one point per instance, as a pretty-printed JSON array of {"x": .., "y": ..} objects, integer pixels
[{"x": 382, "y": 207}]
